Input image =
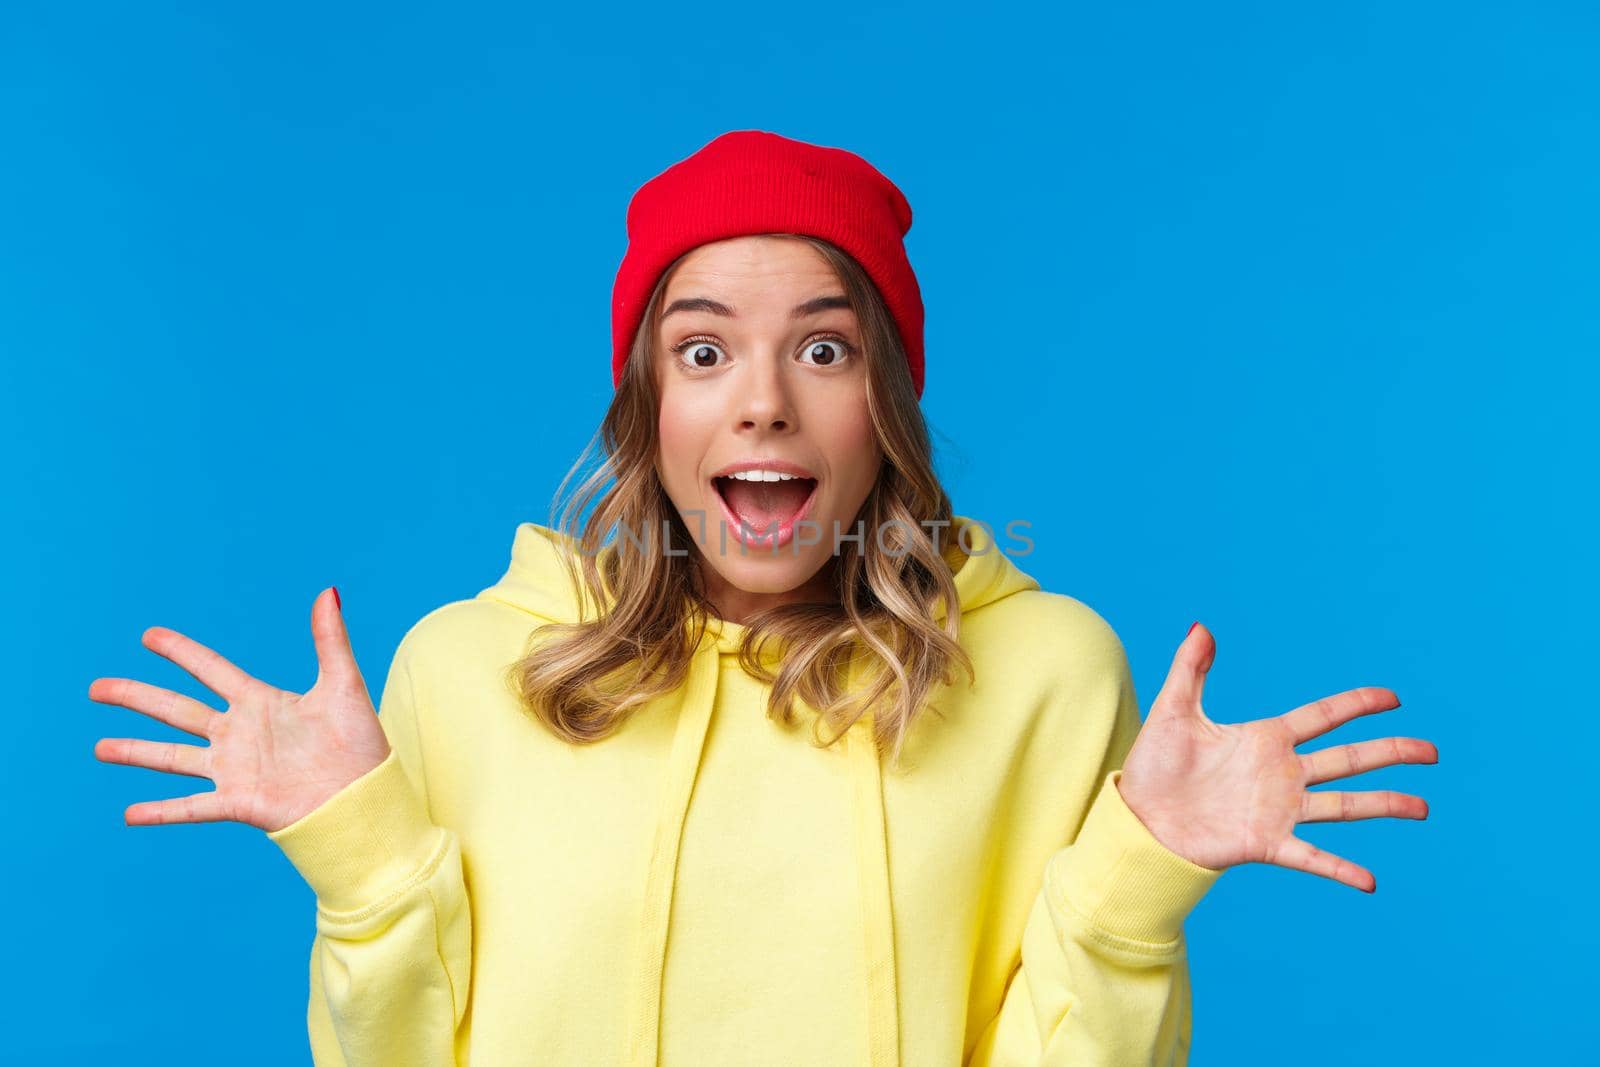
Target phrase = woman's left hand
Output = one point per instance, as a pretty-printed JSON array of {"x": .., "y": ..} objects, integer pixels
[{"x": 1220, "y": 795}]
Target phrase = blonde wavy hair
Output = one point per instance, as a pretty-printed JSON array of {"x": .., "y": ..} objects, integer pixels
[{"x": 642, "y": 613}]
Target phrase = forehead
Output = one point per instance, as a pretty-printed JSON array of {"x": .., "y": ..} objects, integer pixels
[{"x": 758, "y": 261}]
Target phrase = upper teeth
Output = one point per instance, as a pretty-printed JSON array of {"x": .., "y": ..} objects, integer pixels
[{"x": 763, "y": 476}]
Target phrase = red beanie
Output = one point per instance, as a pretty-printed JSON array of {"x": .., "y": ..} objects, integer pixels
[{"x": 752, "y": 182}]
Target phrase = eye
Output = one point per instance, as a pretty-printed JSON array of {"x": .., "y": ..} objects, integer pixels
[
  {"x": 697, "y": 353},
  {"x": 828, "y": 351}
]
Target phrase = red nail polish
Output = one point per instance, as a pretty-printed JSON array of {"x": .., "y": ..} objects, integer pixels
[
  {"x": 1190, "y": 630},
  {"x": 336, "y": 602}
]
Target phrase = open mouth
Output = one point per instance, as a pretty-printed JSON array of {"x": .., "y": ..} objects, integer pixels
[{"x": 768, "y": 506}]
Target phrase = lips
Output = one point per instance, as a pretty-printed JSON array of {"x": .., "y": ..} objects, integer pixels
[{"x": 769, "y": 509}]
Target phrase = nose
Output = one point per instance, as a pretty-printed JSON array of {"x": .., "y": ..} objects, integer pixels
[{"x": 764, "y": 402}]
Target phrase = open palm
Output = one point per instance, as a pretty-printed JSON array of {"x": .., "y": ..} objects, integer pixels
[
  {"x": 273, "y": 755},
  {"x": 1221, "y": 795}
]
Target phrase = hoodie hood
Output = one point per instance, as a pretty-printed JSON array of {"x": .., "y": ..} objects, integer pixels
[{"x": 536, "y": 582}]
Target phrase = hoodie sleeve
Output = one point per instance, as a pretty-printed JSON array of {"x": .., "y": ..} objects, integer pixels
[
  {"x": 1103, "y": 979},
  {"x": 391, "y": 958}
]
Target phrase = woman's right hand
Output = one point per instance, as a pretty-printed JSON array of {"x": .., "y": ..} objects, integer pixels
[{"x": 274, "y": 755}]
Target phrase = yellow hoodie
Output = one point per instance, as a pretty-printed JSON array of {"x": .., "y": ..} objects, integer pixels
[{"x": 708, "y": 887}]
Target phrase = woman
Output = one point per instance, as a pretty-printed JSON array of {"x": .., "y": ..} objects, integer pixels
[{"x": 696, "y": 781}]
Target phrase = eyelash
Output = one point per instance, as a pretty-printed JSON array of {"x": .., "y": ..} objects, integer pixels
[{"x": 689, "y": 342}]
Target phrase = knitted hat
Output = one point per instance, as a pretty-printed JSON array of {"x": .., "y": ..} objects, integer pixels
[{"x": 752, "y": 182}]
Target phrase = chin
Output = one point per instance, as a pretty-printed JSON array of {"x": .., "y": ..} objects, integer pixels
[{"x": 761, "y": 571}]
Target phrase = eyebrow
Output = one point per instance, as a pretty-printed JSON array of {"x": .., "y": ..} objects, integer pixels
[{"x": 716, "y": 307}]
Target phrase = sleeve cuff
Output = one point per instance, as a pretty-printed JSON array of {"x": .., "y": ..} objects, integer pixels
[
  {"x": 1120, "y": 878},
  {"x": 366, "y": 840}
]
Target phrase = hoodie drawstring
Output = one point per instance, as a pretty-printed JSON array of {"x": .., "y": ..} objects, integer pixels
[
  {"x": 688, "y": 742},
  {"x": 877, "y": 914},
  {"x": 871, "y": 851}
]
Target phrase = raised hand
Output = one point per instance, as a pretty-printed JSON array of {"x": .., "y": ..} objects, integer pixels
[
  {"x": 1221, "y": 795},
  {"x": 274, "y": 755}
]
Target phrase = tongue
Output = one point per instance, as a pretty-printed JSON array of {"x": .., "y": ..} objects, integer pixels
[{"x": 763, "y": 506}]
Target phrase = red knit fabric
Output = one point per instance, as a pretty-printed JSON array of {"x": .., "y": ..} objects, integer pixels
[{"x": 750, "y": 182}]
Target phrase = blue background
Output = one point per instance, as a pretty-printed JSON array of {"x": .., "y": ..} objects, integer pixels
[{"x": 1280, "y": 320}]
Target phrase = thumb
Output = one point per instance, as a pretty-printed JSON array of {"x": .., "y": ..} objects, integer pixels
[
  {"x": 336, "y": 663},
  {"x": 1187, "y": 676}
]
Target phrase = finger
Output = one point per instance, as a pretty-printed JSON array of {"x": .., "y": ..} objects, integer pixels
[
  {"x": 209, "y": 667},
  {"x": 1325, "y": 713},
  {"x": 1187, "y": 676},
  {"x": 1342, "y": 761},
  {"x": 1302, "y": 855},
  {"x": 200, "y": 807},
  {"x": 156, "y": 755},
  {"x": 335, "y": 661},
  {"x": 1340, "y": 805},
  {"x": 174, "y": 709}
]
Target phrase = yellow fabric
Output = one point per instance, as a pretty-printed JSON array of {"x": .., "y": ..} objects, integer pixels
[{"x": 706, "y": 886}]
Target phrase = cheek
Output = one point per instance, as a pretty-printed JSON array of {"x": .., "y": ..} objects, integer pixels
[
  {"x": 852, "y": 444},
  {"x": 683, "y": 439}
]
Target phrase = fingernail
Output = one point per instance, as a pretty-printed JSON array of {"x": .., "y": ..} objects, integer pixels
[
  {"x": 336, "y": 602},
  {"x": 1190, "y": 630}
]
